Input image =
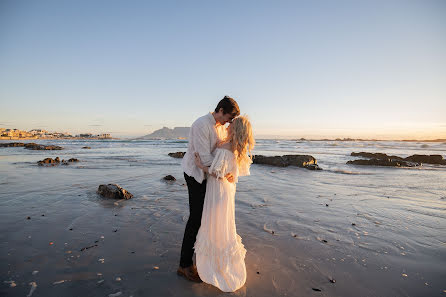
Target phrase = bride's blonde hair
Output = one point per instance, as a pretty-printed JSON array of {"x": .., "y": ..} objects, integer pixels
[{"x": 241, "y": 139}]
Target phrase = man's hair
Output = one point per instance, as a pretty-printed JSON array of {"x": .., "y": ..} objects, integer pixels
[{"x": 229, "y": 105}]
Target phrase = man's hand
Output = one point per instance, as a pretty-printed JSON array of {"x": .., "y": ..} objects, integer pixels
[
  {"x": 229, "y": 177},
  {"x": 197, "y": 160}
]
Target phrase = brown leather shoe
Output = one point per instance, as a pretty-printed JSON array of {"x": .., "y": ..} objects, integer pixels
[{"x": 190, "y": 273}]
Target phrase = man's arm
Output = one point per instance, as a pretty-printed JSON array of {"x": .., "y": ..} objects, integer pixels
[{"x": 202, "y": 144}]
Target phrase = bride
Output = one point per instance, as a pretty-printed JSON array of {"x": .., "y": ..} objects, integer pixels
[{"x": 220, "y": 254}]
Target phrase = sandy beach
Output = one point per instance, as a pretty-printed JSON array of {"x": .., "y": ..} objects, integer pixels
[{"x": 336, "y": 232}]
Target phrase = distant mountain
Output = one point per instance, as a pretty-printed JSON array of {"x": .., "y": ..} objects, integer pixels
[{"x": 166, "y": 133}]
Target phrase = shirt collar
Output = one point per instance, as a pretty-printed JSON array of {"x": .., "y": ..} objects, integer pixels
[{"x": 212, "y": 119}]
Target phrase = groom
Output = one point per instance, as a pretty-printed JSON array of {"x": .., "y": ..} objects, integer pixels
[{"x": 204, "y": 135}]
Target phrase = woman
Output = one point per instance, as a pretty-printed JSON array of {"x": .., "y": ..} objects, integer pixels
[{"x": 220, "y": 254}]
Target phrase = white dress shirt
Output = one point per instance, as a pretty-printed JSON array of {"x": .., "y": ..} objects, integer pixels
[{"x": 203, "y": 137}]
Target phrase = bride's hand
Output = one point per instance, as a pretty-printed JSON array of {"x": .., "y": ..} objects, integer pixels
[{"x": 198, "y": 161}]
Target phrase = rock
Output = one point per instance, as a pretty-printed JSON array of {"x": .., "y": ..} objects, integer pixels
[
  {"x": 375, "y": 156},
  {"x": 35, "y": 146},
  {"x": 48, "y": 161},
  {"x": 304, "y": 161},
  {"x": 12, "y": 144},
  {"x": 31, "y": 146},
  {"x": 428, "y": 159},
  {"x": 113, "y": 191},
  {"x": 169, "y": 177},
  {"x": 384, "y": 162},
  {"x": 313, "y": 167},
  {"x": 178, "y": 155},
  {"x": 73, "y": 160},
  {"x": 86, "y": 147}
]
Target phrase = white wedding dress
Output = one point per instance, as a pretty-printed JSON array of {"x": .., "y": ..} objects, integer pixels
[{"x": 220, "y": 254}]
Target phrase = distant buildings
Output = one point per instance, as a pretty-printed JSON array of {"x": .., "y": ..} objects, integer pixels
[{"x": 40, "y": 133}]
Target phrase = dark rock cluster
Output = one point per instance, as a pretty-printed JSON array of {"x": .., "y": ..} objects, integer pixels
[
  {"x": 55, "y": 161},
  {"x": 32, "y": 146},
  {"x": 381, "y": 159},
  {"x": 304, "y": 161}
]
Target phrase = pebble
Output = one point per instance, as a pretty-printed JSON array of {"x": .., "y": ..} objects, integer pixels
[
  {"x": 101, "y": 260},
  {"x": 156, "y": 267},
  {"x": 35, "y": 272},
  {"x": 11, "y": 283},
  {"x": 59, "y": 282},
  {"x": 403, "y": 274},
  {"x": 118, "y": 279},
  {"x": 115, "y": 294},
  {"x": 101, "y": 281},
  {"x": 28, "y": 218}
]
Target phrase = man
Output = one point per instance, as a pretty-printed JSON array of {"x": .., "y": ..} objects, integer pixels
[{"x": 204, "y": 135}]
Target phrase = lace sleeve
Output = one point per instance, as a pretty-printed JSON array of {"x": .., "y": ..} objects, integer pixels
[{"x": 219, "y": 165}]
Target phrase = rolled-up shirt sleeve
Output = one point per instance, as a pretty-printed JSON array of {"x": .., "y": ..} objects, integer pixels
[{"x": 201, "y": 139}]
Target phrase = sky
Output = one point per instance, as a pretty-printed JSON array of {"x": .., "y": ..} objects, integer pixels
[{"x": 313, "y": 69}]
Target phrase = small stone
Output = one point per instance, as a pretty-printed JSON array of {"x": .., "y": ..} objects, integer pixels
[
  {"x": 59, "y": 282},
  {"x": 35, "y": 272},
  {"x": 156, "y": 267},
  {"x": 101, "y": 281},
  {"x": 326, "y": 205},
  {"x": 118, "y": 279},
  {"x": 332, "y": 280},
  {"x": 28, "y": 218},
  {"x": 169, "y": 178},
  {"x": 353, "y": 224},
  {"x": 11, "y": 283},
  {"x": 403, "y": 274},
  {"x": 317, "y": 290},
  {"x": 324, "y": 241},
  {"x": 71, "y": 229}
]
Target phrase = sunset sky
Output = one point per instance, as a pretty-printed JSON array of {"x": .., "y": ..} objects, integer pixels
[{"x": 315, "y": 69}]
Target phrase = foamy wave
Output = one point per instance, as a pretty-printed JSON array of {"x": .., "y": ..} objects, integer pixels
[{"x": 340, "y": 171}]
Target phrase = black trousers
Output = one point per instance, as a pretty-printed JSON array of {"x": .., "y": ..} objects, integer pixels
[{"x": 197, "y": 192}]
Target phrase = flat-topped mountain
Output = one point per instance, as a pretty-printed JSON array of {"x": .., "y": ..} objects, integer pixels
[{"x": 167, "y": 133}]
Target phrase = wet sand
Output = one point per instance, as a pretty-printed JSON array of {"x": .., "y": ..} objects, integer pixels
[{"x": 306, "y": 233}]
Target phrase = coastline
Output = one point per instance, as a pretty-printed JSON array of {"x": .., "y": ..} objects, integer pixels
[{"x": 57, "y": 138}]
